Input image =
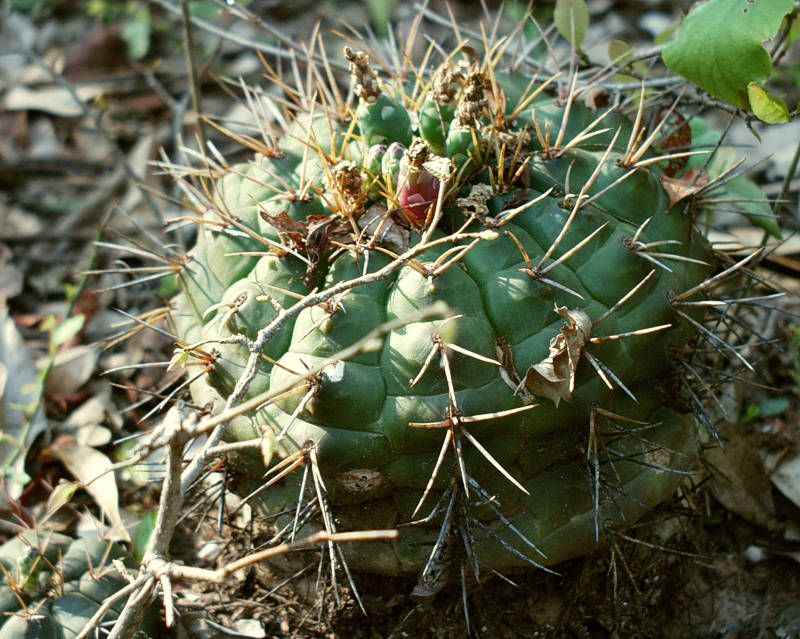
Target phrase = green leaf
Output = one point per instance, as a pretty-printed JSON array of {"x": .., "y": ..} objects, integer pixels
[
  {"x": 142, "y": 534},
  {"x": 66, "y": 330},
  {"x": 205, "y": 9},
  {"x": 36, "y": 8},
  {"x": 380, "y": 13},
  {"x": 766, "y": 107},
  {"x": 178, "y": 360},
  {"x": 664, "y": 36},
  {"x": 719, "y": 47},
  {"x": 136, "y": 33},
  {"x": 59, "y": 497},
  {"x": 794, "y": 32},
  {"x": 11, "y": 475},
  {"x": 767, "y": 409},
  {"x": 747, "y": 196},
  {"x": 757, "y": 209},
  {"x": 524, "y": 13},
  {"x": 139, "y": 474},
  {"x": 168, "y": 287},
  {"x": 621, "y": 53},
  {"x": 71, "y": 291},
  {"x": 773, "y": 407},
  {"x": 571, "y": 16}
]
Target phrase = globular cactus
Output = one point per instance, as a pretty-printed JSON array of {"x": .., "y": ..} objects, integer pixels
[
  {"x": 526, "y": 290},
  {"x": 53, "y": 584}
]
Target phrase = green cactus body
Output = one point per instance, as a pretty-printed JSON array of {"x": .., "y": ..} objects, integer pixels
[
  {"x": 434, "y": 122},
  {"x": 390, "y": 162},
  {"x": 521, "y": 299},
  {"x": 460, "y": 144},
  {"x": 373, "y": 165},
  {"x": 54, "y": 584},
  {"x": 384, "y": 121}
]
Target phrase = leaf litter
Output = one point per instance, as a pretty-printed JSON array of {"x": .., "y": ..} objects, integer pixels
[{"x": 591, "y": 605}]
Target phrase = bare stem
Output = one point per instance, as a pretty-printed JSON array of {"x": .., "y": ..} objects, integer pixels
[
  {"x": 169, "y": 509},
  {"x": 197, "y": 97}
]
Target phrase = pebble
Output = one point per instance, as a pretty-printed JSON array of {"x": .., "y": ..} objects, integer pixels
[{"x": 755, "y": 554}]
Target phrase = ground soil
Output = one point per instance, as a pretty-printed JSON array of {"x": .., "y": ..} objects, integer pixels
[{"x": 684, "y": 572}]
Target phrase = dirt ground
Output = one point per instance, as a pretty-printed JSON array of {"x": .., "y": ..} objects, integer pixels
[
  {"x": 722, "y": 560},
  {"x": 695, "y": 571}
]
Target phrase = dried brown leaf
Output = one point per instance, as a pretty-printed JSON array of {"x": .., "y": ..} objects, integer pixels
[
  {"x": 595, "y": 98},
  {"x": 680, "y": 188},
  {"x": 679, "y": 139},
  {"x": 554, "y": 376},
  {"x": 287, "y": 227},
  {"x": 312, "y": 237},
  {"x": 740, "y": 482}
]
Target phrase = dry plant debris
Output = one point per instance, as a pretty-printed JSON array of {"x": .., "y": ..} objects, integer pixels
[{"x": 779, "y": 428}]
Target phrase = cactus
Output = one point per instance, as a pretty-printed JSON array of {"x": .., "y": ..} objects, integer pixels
[
  {"x": 460, "y": 303},
  {"x": 54, "y": 584}
]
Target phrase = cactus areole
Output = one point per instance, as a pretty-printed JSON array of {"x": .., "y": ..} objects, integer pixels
[{"x": 459, "y": 303}]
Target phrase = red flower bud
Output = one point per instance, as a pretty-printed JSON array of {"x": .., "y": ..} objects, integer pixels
[{"x": 418, "y": 191}]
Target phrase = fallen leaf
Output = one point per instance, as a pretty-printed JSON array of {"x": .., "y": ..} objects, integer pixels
[
  {"x": 678, "y": 140},
  {"x": 99, "y": 51},
  {"x": 313, "y": 236},
  {"x": 54, "y": 100},
  {"x": 287, "y": 227},
  {"x": 19, "y": 389},
  {"x": 19, "y": 223},
  {"x": 376, "y": 221},
  {"x": 680, "y": 188},
  {"x": 595, "y": 98},
  {"x": 554, "y": 376},
  {"x": 71, "y": 370},
  {"x": 196, "y": 625},
  {"x": 84, "y": 423},
  {"x": 786, "y": 478},
  {"x": 743, "y": 238},
  {"x": 250, "y": 628},
  {"x": 740, "y": 482},
  {"x": 10, "y": 277},
  {"x": 87, "y": 465}
]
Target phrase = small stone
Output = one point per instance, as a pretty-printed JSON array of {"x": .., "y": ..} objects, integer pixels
[
  {"x": 209, "y": 550},
  {"x": 754, "y": 554}
]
